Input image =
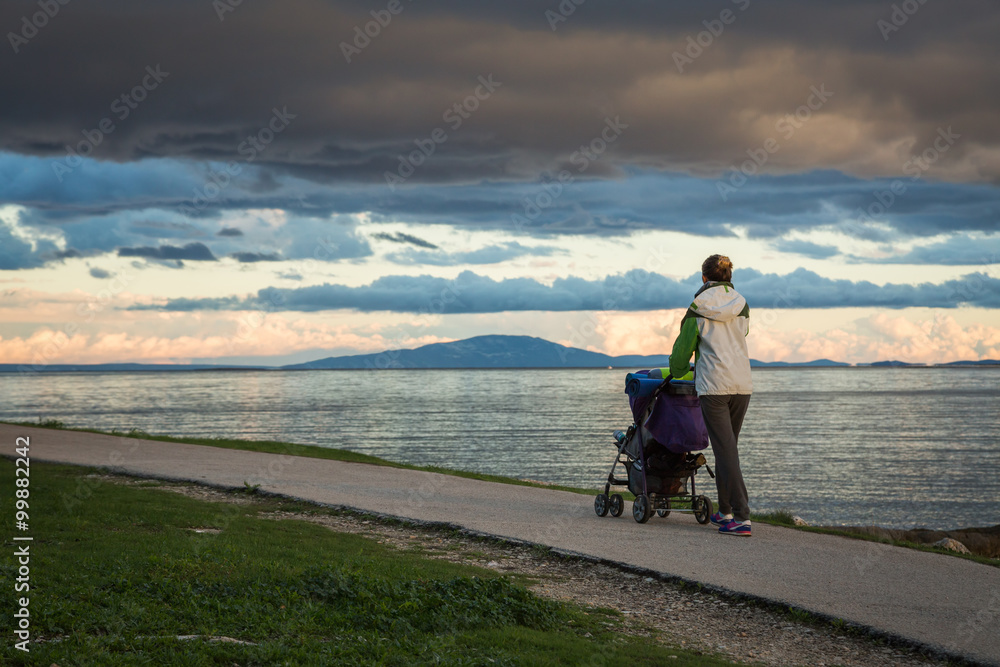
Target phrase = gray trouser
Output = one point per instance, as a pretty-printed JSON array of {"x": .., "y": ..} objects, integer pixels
[{"x": 724, "y": 418}]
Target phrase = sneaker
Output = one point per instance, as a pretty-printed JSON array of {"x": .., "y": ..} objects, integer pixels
[
  {"x": 734, "y": 527},
  {"x": 720, "y": 519}
]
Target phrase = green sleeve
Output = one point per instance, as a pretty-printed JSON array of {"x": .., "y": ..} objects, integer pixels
[{"x": 684, "y": 347}]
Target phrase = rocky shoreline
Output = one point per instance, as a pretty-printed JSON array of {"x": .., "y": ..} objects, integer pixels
[{"x": 979, "y": 541}]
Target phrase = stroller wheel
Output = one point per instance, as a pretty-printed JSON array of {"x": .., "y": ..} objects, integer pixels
[
  {"x": 640, "y": 509},
  {"x": 617, "y": 505},
  {"x": 601, "y": 504},
  {"x": 665, "y": 512},
  {"x": 702, "y": 507}
]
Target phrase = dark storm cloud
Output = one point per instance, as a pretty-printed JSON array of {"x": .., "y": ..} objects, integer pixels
[
  {"x": 162, "y": 230},
  {"x": 191, "y": 251},
  {"x": 400, "y": 237},
  {"x": 101, "y": 274},
  {"x": 229, "y": 231},
  {"x": 220, "y": 80},
  {"x": 472, "y": 104},
  {"x": 328, "y": 239},
  {"x": 492, "y": 254},
  {"x": 634, "y": 290},
  {"x": 766, "y": 207},
  {"x": 643, "y": 199},
  {"x": 252, "y": 257},
  {"x": 806, "y": 248},
  {"x": 956, "y": 251}
]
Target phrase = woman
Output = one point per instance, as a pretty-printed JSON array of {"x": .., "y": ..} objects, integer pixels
[{"x": 715, "y": 329}]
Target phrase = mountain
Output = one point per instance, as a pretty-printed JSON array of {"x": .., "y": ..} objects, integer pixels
[
  {"x": 894, "y": 364},
  {"x": 487, "y": 352},
  {"x": 982, "y": 362},
  {"x": 508, "y": 352},
  {"x": 816, "y": 363}
]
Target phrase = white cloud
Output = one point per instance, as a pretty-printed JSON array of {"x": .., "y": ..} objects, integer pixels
[
  {"x": 939, "y": 338},
  {"x": 271, "y": 337},
  {"x": 882, "y": 336}
]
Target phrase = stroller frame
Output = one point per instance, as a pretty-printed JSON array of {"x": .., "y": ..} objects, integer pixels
[{"x": 646, "y": 503}]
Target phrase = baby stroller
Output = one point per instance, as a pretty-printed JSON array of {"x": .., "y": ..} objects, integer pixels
[{"x": 659, "y": 451}]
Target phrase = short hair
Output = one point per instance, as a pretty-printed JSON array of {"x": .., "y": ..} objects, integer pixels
[{"x": 718, "y": 268}]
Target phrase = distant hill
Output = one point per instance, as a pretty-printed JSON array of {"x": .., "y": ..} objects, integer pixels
[
  {"x": 983, "y": 362},
  {"x": 817, "y": 363},
  {"x": 507, "y": 352},
  {"x": 893, "y": 363},
  {"x": 486, "y": 352}
]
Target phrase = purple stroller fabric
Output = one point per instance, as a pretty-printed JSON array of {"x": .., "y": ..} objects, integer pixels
[
  {"x": 676, "y": 423},
  {"x": 674, "y": 420}
]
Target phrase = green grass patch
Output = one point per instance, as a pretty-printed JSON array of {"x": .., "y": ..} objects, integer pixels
[
  {"x": 118, "y": 574},
  {"x": 775, "y": 518}
]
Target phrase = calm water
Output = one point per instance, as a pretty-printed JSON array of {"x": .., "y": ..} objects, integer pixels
[{"x": 894, "y": 447}]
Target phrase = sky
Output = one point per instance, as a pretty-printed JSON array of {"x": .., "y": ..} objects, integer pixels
[{"x": 275, "y": 182}]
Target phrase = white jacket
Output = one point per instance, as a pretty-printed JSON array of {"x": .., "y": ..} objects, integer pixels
[{"x": 715, "y": 329}]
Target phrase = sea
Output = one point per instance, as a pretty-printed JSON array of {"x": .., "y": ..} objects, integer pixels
[{"x": 894, "y": 447}]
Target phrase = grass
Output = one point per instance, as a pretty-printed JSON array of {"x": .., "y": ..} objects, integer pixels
[
  {"x": 115, "y": 580},
  {"x": 777, "y": 518}
]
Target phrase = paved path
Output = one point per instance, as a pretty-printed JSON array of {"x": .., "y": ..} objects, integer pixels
[{"x": 933, "y": 599}]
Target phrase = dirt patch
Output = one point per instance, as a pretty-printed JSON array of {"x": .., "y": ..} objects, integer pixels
[{"x": 668, "y": 612}]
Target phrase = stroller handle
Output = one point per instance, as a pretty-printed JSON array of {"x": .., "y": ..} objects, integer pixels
[{"x": 663, "y": 385}]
